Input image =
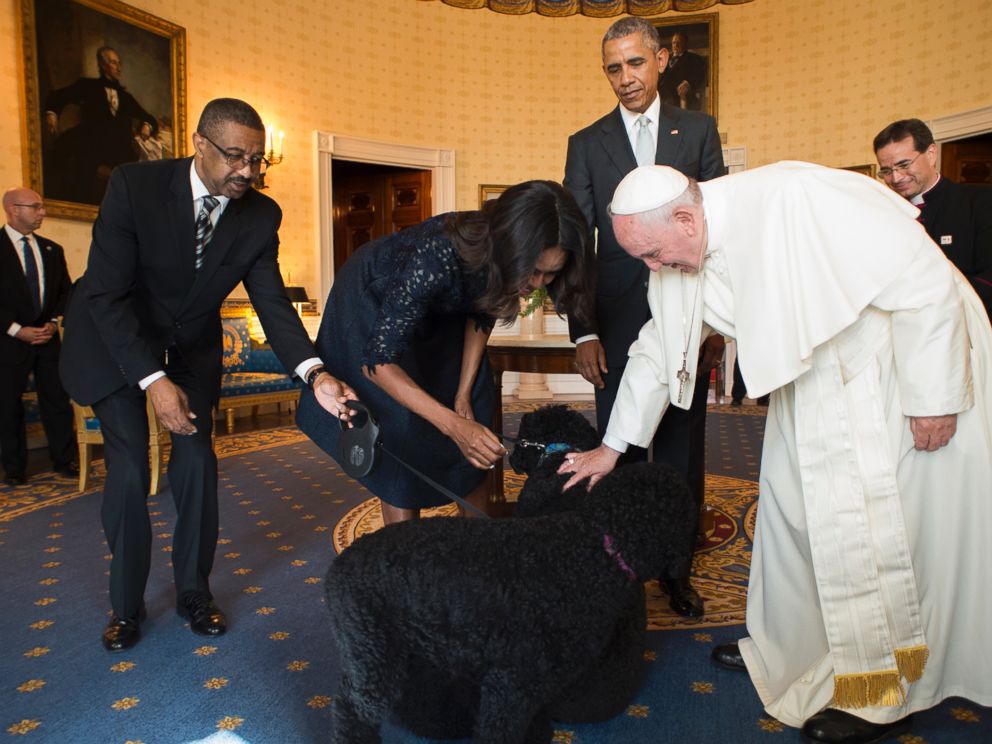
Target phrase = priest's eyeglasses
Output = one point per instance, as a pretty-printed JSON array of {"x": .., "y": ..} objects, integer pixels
[
  {"x": 237, "y": 159},
  {"x": 901, "y": 167}
]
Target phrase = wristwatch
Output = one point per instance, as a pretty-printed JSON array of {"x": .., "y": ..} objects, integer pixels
[{"x": 313, "y": 374}]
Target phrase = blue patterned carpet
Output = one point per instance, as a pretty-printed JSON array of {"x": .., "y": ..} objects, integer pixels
[{"x": 285, "y": 509}]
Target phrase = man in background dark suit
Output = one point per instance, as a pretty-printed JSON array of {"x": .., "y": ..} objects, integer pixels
[
  {"x": 957, "y": 216},
  {"x": 83, "y": 156},
  {"x": 599, "y": 156},
  {"x": 34, "y": 285},
  {"x": 683, "y": 79},
  {"x": 171, "y": 241}
]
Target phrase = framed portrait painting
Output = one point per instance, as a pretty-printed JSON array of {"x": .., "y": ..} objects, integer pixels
[
  {"x": 104, "y": 83},
  {"x": 690, "y": 80}
]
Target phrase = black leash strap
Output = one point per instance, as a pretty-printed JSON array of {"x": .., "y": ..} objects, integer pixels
[{"x": 430, "y": 481}]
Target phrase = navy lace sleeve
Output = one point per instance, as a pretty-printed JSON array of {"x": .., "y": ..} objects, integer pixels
[{"x": 426, "y": 277}]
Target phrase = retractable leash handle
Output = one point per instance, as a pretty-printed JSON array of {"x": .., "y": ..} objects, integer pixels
[{"x": 361, "y": 442}]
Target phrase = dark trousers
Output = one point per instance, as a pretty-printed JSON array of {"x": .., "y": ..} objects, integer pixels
[
  {"x": 738, "y": 391},
  {"x": 53, "y": 405},
  {"x": 192, "y": 479},
  {"x": 680, "y": 440}
]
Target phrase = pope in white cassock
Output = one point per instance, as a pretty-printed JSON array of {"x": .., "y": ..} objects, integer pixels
[{"x": 870, "y": 588}]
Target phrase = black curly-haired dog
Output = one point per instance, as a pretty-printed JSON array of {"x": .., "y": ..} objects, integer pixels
[
  {"x": 435, "y": 706},
  {"x": 516, "y": 613}
]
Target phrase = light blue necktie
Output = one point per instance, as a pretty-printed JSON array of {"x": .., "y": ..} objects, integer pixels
[{"x": 644, "y": 148}]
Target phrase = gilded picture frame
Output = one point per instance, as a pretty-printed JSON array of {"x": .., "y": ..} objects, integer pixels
[
  {"x": 868, "y": 169},
  {"x": 103, "y": 83},
  {"x": 696, "y": 66},
  {"x": 490, "y": 191}
]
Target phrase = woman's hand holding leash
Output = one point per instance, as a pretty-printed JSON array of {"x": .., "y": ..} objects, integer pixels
[{"x": 480, "y": 446}]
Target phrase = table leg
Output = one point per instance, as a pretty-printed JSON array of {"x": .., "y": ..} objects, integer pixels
[{"x": 497, "y": 494}]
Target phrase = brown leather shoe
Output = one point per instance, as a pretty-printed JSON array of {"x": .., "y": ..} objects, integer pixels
[
  {"x": 205, "y": 617},
  {"x": 729, "y": 657},
  {"x": 832, "y": 726}
]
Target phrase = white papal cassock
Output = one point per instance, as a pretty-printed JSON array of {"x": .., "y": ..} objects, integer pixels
[{"x": 871, "y": 574}]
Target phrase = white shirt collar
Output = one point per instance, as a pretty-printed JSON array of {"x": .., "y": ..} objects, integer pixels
[
  {"x": 200, "y": 191},
  {"x": 15, "y": 236},
  {"x": 653, "y": 113},
  {"x": 922, "y": 197}
]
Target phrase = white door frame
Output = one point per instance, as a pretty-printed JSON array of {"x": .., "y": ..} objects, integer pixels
[
  {"x": 329, "y": 146},
  {"x": 958, "y": 126}
]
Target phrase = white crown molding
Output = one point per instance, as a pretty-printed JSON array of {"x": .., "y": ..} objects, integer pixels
[{"x": 964, "y": 124}]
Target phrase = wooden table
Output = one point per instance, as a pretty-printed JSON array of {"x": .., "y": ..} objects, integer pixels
[{"x": 541, "y": 355}]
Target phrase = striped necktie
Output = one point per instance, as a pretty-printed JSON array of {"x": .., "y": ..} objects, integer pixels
[
  {"x": 33, "y": 279},
  {"x": 204, "y": 228}
]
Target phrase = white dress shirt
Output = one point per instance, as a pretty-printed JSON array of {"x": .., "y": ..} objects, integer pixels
[{"x": 15, "y": 239}]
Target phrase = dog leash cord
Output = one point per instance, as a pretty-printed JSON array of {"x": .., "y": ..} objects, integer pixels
[{"x": 454, "y": 497}]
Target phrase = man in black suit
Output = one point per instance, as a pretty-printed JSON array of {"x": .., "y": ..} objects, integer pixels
[
  {"x": 599, "y": 156},
  {"x": 683, "y": 79},
  {"x": 957, "y": 216},
  {"x": 34, "y": 284},
  {"x": 172, "y": 239},
  {"x": 83, "y": 156}
]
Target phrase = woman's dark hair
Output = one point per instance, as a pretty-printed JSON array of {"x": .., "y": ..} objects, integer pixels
[{"x": 505, "y": 238}]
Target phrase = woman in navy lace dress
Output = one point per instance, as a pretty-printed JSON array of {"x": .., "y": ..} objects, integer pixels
[{"x": 406, "y": 325}]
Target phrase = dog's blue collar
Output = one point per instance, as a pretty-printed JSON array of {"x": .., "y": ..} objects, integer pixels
[{"x": 553, "y": 448}]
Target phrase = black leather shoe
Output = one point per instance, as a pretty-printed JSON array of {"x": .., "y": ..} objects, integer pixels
[
  {"x": 736, "y": 403},
  {"x": 17, "y": 479},
  {"x": 729, "y": 657},
  {"x": 205, "y": 617},
  {"x": 682, "y": 598},
  {"x": 67, "y": 471},
  {"x": 832, "y": 726},
  {"x": 123, "y": 633}
]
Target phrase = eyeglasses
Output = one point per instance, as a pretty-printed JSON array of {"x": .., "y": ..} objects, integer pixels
[
  {"x": 36, "y": 206},
  {"x": 901, "y": 167},
  {"x": 238, "y": 159}
]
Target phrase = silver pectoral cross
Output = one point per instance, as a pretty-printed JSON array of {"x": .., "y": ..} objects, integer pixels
[{"x": 683, "y": 375}]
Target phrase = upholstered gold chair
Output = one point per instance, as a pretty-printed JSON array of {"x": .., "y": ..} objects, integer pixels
[{"x": 88, "y": 433}]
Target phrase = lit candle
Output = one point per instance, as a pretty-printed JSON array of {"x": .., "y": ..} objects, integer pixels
[
  {"x": 268, "y": 139},
  {"x": 282, "y": 136}
]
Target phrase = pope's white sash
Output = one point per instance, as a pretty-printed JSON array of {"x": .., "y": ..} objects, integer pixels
[{"x": 861, "y": 558}]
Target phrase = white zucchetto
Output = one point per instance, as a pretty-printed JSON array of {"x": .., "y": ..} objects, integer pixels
[{"x": 647, "y": 187}]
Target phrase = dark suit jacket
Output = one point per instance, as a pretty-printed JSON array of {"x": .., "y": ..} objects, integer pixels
[
  {"x": 15, "y": 302},
  {"x": 141, "y": 293},
  {"x": 100, "y": 139},
  {"x": 958, "y": 216},
  {"x": 599, "y": 156},
  {"x": 690, "y": 67}
]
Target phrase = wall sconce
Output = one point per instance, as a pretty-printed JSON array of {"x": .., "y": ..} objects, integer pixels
[
  {"x": 298, "y": 296},
  {"x": 274, "y": 153}
]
